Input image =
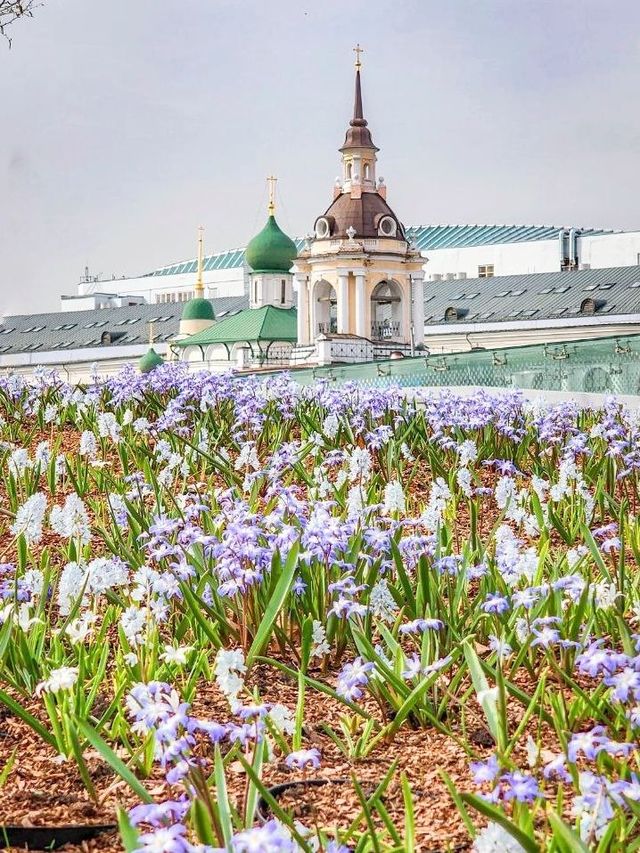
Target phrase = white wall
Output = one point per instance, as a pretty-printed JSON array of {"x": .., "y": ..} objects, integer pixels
[
  {"x": 610, "y": 250},
  {"x": 457, "y": 338},
  {"x": 229, "y": 282},
  {"x": 507, "y": 259}
]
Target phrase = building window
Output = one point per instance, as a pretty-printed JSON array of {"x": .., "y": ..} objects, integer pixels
[
  {"x": 367, "y": 171},
  {"x": 255, "y": 291},
  {"x": 349, "y": 171},
  {"x": 283, "y": 291},
  {"x": 485, "y": 271}
]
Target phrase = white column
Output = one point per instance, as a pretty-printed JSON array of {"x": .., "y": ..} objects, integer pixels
[
  {"x": 343, "y": 304},
  {"x": 312, "y": 331},
  {"x": 361, "y": 308},
  {"x": 303, "y": 309},
  {"x": 417, "y": 308}
]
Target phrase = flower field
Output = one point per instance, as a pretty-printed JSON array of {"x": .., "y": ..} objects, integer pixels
[{"x": 242, "y": 615}]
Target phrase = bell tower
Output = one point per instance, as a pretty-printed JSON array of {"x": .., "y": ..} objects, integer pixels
[{"x": 358, "y": 151}]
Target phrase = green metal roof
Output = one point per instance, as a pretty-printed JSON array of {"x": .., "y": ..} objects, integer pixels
[
  {"x": 252, "y": 324},
  {"x": 426, "y": 238},
  {"x": 149, "y": 361},
  {"x": 271, "y": 250},
  {"x": 198, "y": 309}
]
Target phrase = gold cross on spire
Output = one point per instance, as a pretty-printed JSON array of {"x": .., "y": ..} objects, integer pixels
[
  {"x": 271, "y": 180},
  {"x": 358, "y": 50},
  {"x": 199, "y": 288}
]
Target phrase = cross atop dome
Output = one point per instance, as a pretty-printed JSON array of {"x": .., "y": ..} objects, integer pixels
[{"x": 358, "y": 50}]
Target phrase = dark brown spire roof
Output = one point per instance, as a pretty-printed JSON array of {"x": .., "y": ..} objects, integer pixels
[
  {"x": 358, "y": 134},
  {"x": 362, "y": 213}
]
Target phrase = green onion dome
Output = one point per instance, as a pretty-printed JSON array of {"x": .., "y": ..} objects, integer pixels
[
  {"x": 198, "y": 309},
  {"x": 271, "y": 250},
  {"x": 149, "y": 361}
]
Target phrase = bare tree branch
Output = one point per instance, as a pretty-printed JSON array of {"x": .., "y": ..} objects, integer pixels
[{"x": 12, "y": 10}]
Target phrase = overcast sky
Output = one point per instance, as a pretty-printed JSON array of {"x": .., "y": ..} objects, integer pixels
[{"x": 126, "y": 124}]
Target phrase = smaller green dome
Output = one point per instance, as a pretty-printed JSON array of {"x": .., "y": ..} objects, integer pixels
[
  {"x": 198, "y": 309},
  {"x": 271, "y": 250},
  {"x": 149, "y": 361}
]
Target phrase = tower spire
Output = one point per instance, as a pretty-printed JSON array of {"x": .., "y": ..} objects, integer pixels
[
  {"x": 199, "y": 288},
  {"x": 271, "y": 180},
  {"x": 358, "y": 119}
]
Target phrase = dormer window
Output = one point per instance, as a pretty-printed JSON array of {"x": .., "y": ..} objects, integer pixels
[
  {"x": 588, "y": 306},
  {"x": 323, "y": 229},
  {"x": 450, "y": 314},
  {"x": 387, "y": 227}
]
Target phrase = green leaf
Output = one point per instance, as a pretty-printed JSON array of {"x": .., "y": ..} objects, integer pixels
[
  {"x": 114, "y": 761},
  {"x": 565, "y": 836},
  {"x": 222, "y": 799},
  {"x": 494, "y": 814},
  {"x": 486, "y": 697},
  {"x": 202, "y": 822},
  {"x": 128, "y": 832},
  {"x": 409, "y": 815},
  {"x": 29, "y": 719},
  {"x": 276, "y": 602}
]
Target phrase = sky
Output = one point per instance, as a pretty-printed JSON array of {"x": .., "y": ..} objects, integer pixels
[{"x": 126, "y": 125}]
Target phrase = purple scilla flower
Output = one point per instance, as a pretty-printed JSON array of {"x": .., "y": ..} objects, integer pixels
[
  {"x": 345, "y": 607},
  {"x": 273, "y": 837},
  {"x": 299, "y": 586},
  {"x": 611, "y": 545},
  {"x": 352, "y": 677},
  {"x": 545, "y": 637},
  {"x": 303, "y": 758},
  {"x": 519, "y": 786},
  {"x": 164, "y": 839},
  {"x": 476, "y": 572},
  {"x": 216, "y": 732},
  {"x": 421, "y": 625},
  {"x": 485, "y": 771},
  {"x": 501, "y": 647},
  {"x": 253, "y": 712},
  {"x": 413, "y": 668},
  {"x": 495, "y": 603},
  {"x": 627, "y": 789},
  {"x": 556, "y": 769},
  {"x": 448, "y": 565},
  {"x": 159, "y": 814},
  {"x": 595, "y": 660},
  {"x": 626, "y": 685},
  {"x": 593, "y": 742}
]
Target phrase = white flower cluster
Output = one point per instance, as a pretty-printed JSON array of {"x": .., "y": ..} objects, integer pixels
[
  {"x": 320, "y": 646},
  {"x": 30, "y": 518},
  {"x": 95, "y": 578},
  {"x": 570, "y": 483},
  {"x": 394, "y": 499},
  {"x": 108, "y": 426},
  {"x": 331, "y": 425},
  {"x": 494, "y": 839},
  {"x": 19, "y": 462},
  {"x": 71, "y": 520},
  {"x": 381, "y": 602},
  {"x": 247, "y": 458},
  {"x": 230, "y": 669},
  {"x": 431, "y": 518},
  {"x": 360, "y": 465},
  {"x": 59, "y": 679},
  {"x": 88, "y": 444}
]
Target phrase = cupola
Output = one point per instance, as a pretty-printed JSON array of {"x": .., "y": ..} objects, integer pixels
[{"x": 270, "y": 255}]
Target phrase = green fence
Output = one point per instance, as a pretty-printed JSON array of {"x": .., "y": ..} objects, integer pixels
[{"x": 599, "y": 366}]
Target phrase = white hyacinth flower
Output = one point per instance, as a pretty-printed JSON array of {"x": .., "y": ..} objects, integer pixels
[{"x": 59, "y": 679}]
